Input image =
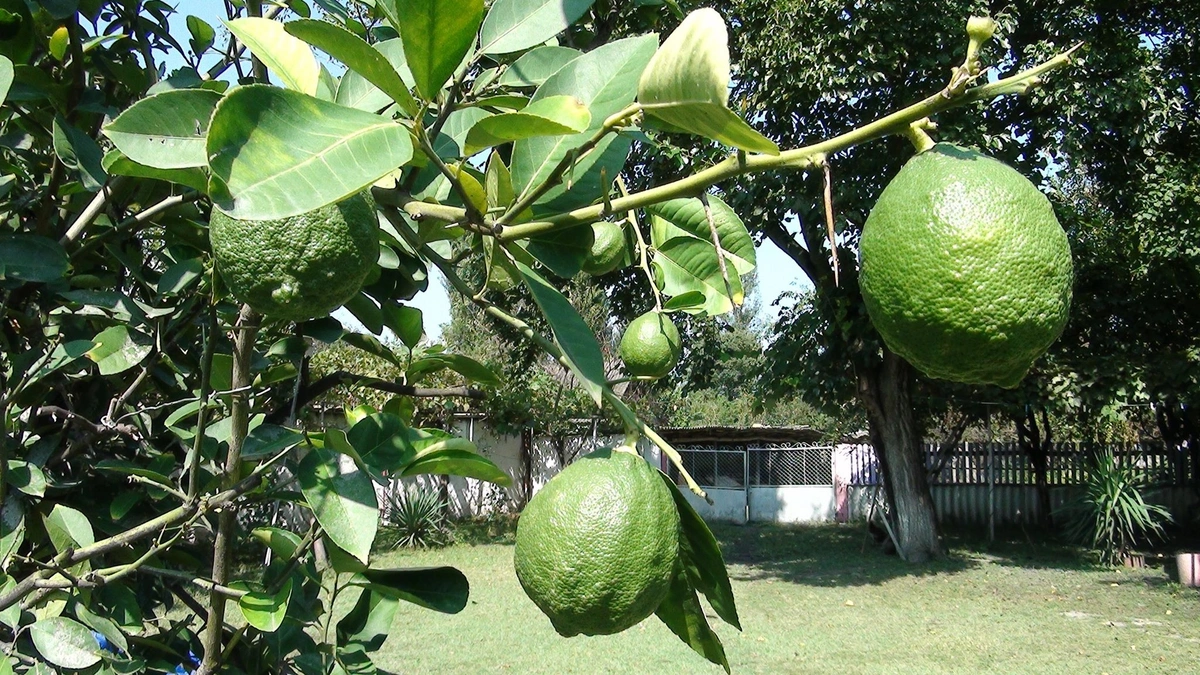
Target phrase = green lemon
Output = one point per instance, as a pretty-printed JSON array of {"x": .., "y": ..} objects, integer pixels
[
  {"x": 966, "y": 272},
  {"x": 596, "y": 547},
  {"x": 301, "y": 267},
  {"x": 650, "y": 346},
  {"x": 608, "y": 248}
]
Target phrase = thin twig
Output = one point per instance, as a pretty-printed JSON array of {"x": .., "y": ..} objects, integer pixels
[{"x": 829, "y": 218}]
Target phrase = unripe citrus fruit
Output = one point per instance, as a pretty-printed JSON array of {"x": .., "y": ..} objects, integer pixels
[
  {"x": 608, "y": 248},
  {"x": 650, "y": 346},
  {"x": 597, "y": 546},
  {"x": 301, "y": 267},
  {"x": 966, "y": 272}
]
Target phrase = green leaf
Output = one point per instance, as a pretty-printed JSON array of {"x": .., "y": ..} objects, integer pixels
[
  {"x": 442, "y": 460},
  {"x": 682, "y": 613},
  {"x": 536, "y": 65},
  {"x": 449, "y": 143},
  {"x": 26, "y": 477},
  {"x": 127, "y": 468},
  {"x": 437, "y": 35},
  {"x": 442, "y": 589},
  {"x": 12, "y": 527},
  {"x": 366, "y": 311},
  {"x": 686, "y": 259},
  {"x": 65, "y": 642},
  {"x": 68, "y": 528},
  {"x": 371, "y": 345},
  {"x": 30, "y": 258},
  {"x": 604, "y": 80},
  {"x": 268, "y": 440},
  {"x": 459, "y": 363},
  {"x": 514, "y": 25},
  {"x": 283, "y": 544},
  {"x": 684, "y": 266},
  {"x": 712, "y": 121},
  {"x": 577, "y": 341},
  {"x": 497, "y": 182},
  {"x": 686, "y": 84},
  {"x": 288, "y": 57},
  {"x": 370, "y": 621},
  {"x": 701, "y": 558},
  {"x": 381, "y": 439},
  {"x": 359, "y": 57},
  {"x": 6, "y": 77},
  {"x": 687, "y": 301},
  {"x": 277, "y": 153},
  {"x": 263, "y": 610},
  {"x": 79, "y": 152},
  {"x": 408, "y": 323},
  {"x": 551, "y": 116},
  {"x": 686, "y": 218},
  {"x": 167, "y": 130},
  {"x": 123, "y": 503},
  {"x": 180, "y": 276},
  {"x": 692, "y": 65},
  {"x": 202, "y": 35},
  {"x": 356, "y": 91},
  {"x": 563, "y": 251},
  {"x": 119, "y": 348},
  {"x": 60, "y": 39},
  {"x": 344, "y": 504},
  {"x": 117, "y": 164}
]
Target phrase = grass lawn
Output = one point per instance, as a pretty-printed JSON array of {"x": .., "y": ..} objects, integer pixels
[{"x": 812, "y": 601}]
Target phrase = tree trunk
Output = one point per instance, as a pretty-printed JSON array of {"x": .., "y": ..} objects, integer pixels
[
  {"x": 886, "y": 393},
  {"x": 1036, "y": 445}
]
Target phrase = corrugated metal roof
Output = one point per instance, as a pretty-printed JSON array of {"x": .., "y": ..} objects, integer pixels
[{"x": 753, "y": 434}]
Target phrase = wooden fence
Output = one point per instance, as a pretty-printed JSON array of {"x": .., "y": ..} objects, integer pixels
[
  {"x": 1066, "y": 464},
  {"x": 965, "y": 492}
]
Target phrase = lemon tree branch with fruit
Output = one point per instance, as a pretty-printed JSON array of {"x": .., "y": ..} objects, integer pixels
[{"x": 450, "y": 136}]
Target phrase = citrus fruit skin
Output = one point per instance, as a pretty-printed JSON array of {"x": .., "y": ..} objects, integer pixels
[
  {"x": 596, "y": 547},
  {"x": 650, "y": 346},
  {"x": 966, "y": 273},
  {"x": 608, "y": 248},
  {"x": 302, "y": 267}
]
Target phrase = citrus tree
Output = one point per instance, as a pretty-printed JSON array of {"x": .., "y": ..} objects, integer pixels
[{"x": 173, "y": 244}]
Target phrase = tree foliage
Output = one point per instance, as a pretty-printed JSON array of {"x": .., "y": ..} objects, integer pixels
[{"x": 149, "y": 416}]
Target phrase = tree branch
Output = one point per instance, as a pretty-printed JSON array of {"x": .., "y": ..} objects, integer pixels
[{"x": 310, "y": 393}]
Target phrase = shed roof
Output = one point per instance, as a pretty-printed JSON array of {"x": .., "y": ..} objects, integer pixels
[{"x": 753, "y": 434}]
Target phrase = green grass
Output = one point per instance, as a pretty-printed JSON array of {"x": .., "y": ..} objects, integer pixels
[{"x": 812, "y": 600}]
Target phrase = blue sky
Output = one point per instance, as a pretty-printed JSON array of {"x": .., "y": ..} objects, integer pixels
[{"x": 776, "y": 272}]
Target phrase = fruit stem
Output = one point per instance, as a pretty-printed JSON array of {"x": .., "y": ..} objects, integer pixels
[
  {"x": 642, "y": 249},
  {"x": 917, "y": 135},
  {"x": 628, "y": 417}
]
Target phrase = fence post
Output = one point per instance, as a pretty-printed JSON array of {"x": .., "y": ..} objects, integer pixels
[
  {"x": 746, "y": 479},
  {"x": 991, "y": 446}
]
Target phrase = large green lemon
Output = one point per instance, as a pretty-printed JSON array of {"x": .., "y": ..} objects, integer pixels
[
  {"x": 596, "y": 547},
  {"x": 650, "y": 346},
  {"x": 301, "y": 267},
  {"x": 966, "y": 272}
]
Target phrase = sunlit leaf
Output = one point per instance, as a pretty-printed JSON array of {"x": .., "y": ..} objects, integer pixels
[
  {"x": 536, "y": 65},
  {"x": 343, "y": 503},
  {"x": 286, "y": 56},
  {"x": 264, "y": 611},
  {"x": 65, "y": 642},
  {"x": 437, "y": 35},
  {"x": 359, "y": 57},
  {"x": 513, "y": 25},
  {"x": 551, "y": 116},
  {"x": 577, "y": 341},
  {"x": 119, "y": 348},
  {"x": 167, "y": 130},
  {"x": 279, "y": 153}
]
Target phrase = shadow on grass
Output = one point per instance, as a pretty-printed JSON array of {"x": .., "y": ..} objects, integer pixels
[{"x": 844, "y": 555}]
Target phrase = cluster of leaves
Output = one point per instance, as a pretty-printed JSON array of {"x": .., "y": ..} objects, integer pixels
[{"x": 1112, "y": 515}]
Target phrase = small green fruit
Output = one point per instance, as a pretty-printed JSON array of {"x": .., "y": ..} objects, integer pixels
[
  {"x": 608, "y": 248},
  {"x": 650, "y": 346}
]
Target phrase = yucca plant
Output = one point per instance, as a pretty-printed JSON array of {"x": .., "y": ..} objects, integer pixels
[
  {"x": 419, "y": 519},
  {"x": 1112, "y": 515}
]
